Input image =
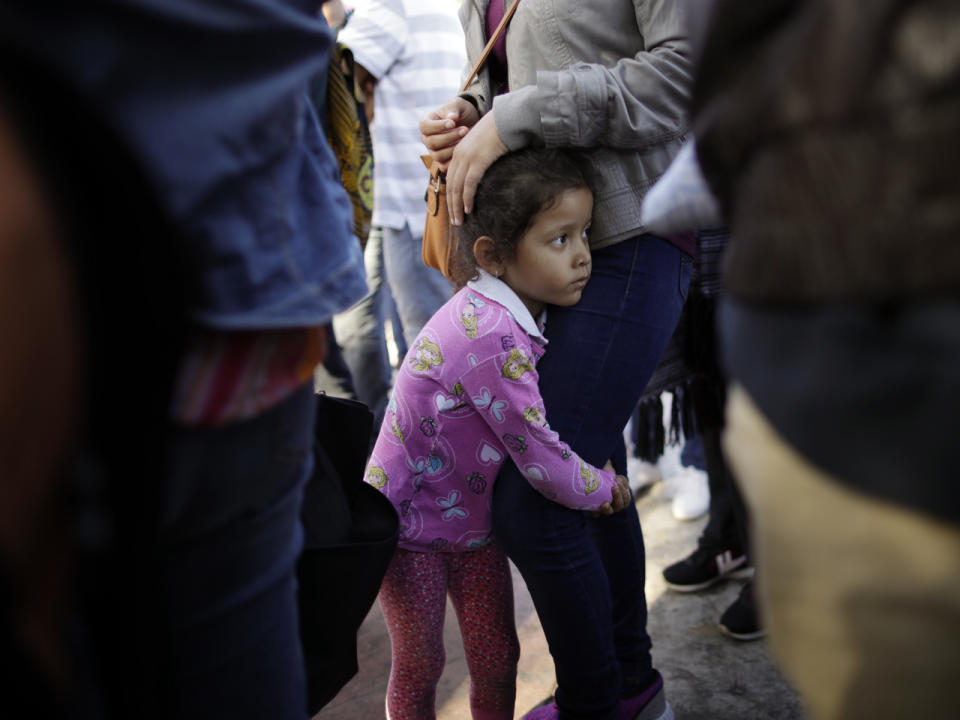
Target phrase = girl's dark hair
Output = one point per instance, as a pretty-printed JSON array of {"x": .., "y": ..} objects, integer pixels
[{"x": 513, "y": 190}]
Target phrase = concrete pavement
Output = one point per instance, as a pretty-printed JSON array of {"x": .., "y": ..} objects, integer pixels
[{"x": 708, "y": 676}]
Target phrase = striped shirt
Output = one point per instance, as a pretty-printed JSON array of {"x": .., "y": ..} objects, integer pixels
[
  {"x": 415, "y": 49},
  {"x": 228, "y": 377}
]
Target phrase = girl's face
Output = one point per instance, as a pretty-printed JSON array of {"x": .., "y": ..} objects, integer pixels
[{"x": 552, "y": 262}]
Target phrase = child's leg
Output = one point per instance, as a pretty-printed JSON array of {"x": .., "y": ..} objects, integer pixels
[
  {"x": 413, "y": 599},
  {"x": 482, "y": 593}
]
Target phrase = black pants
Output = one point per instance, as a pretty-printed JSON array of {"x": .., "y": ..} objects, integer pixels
[{"x": 728, "y": 523}]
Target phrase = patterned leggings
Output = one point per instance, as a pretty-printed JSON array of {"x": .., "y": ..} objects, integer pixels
[{"x": 413, "y": 600}]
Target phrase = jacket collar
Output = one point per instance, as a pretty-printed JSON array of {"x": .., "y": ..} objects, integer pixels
[{"x": 497, "y": 290}]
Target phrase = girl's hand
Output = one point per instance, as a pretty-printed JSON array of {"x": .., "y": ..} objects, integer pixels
[
  {"x": 472, "y": 155},
  {"x": 443, "y": 128},
  {"x": 620, "y": 496}
]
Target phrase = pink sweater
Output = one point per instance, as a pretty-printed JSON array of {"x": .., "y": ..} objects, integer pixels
[{"x": 465, "y": 399}]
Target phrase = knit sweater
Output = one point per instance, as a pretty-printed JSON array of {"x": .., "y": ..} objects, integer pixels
[{"x": 830, "y": 138}]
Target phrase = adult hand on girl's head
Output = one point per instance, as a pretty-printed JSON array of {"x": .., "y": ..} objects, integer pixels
[
  {"x": 443, "y": 128},
  {"x": 471, "y": 158}
]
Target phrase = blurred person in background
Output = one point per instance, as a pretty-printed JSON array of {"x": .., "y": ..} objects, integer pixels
[
  {"x": 409, "y": 55},
  {"x": 828, "y": 133},
  {"x": 209, "y": 239}
]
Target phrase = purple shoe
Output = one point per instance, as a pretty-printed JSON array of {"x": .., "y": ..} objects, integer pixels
[
  {"x": 651, "y": 704},
  {"x": 547, "y": 710}
]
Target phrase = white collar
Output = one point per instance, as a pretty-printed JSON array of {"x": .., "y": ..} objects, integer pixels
[{"x": 498, "y": 291}]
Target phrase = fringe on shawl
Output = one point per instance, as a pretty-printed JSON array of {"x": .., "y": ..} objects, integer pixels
[{"x": 689, "y": 369}]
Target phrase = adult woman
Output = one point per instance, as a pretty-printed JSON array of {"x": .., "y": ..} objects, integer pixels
[{"x": 612, "y": 77}]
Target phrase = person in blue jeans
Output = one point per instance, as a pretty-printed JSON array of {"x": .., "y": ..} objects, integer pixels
[
  {"x": 612, "y": 78},
  {"x": 408, "y": 55},
  {"x": 361, "y": 334},
  {"x": 210, "y": 102},
  {"x": 586, "y": 574}
]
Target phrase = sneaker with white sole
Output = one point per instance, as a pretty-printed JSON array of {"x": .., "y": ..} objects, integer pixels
[
  {"x": 691, "y": 494},
  {"x": 641, "y": 474},
  {"x": 651, "y": 704},
  {"x": 741, "y": 621},
  {"x": 707, "y": 566}
]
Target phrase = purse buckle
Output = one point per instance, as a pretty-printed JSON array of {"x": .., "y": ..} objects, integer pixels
[{"x": 436, "y": 195}]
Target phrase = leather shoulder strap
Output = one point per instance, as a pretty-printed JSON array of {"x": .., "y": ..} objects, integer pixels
[{"x": 490, "y": 43}]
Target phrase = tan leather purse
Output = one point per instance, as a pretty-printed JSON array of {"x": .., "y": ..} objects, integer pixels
[{"x": 439, "y": 237}]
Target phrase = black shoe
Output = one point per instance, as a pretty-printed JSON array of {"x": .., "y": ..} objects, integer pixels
[
  {"x": 706, "y": 566},
  {"x": 740, "y": 620}
]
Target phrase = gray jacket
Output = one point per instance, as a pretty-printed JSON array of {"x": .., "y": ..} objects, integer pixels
[{"x": 610, "y": 75}]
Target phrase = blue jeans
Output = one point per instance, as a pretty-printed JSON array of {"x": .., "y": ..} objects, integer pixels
[
  {"x": 418, "y": 290},
  {"x": 230, "y": 538},
  {"x": 691, "y": 455},
  {"x": 360, "y": 333},
  {"x": 586, "y": 575}
]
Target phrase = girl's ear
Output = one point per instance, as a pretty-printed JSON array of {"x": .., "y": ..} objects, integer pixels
[{"x": 484, "y": 252}]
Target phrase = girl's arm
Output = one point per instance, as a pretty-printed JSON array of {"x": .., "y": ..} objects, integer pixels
[{"x": 513, "y": 409}]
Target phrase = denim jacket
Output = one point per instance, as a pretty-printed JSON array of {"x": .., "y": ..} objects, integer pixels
[
  {"x": 613, "y": 76},
  {"x": 211, "y": 97}
]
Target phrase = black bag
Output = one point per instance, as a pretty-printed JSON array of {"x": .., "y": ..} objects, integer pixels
[{"x": 350, "y": 534}]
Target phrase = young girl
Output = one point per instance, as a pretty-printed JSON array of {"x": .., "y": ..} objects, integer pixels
[{"x": 465, "y": 400}]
